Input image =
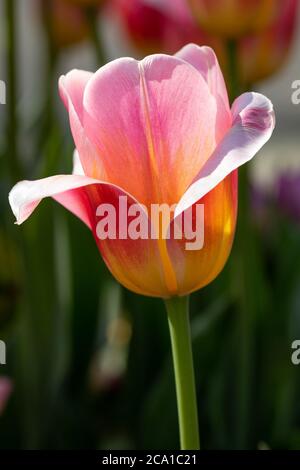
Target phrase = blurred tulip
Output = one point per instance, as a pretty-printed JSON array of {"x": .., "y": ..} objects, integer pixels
[
  {"x": 261, "y": 202},
  {"x": 263, "y": 54},
  {"x": 160, "y": 26},
  {"x": 234, "y": 18},
  {"x": 288, "y": 194},
  {"x": 5, "y": 392},
  {"x": 66, "y": 23},
  {"x": 156, "y": 131}
]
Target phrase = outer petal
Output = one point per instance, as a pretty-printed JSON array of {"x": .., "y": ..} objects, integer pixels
[
  {"x": 148, "y": 117},
  {"x": 196, "y": 268},
  {"x": 26, "y": 195},
  {"x": 137, "y": 264},
  {"x": 205, "y": 61},
  {"x": 71, "y": 87},
  {"x": 113, "y": 121},
  {"x": 253, "y": 124}
]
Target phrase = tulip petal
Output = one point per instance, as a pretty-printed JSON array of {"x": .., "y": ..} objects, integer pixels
[
  {"x": 253, "y": 124},
  {"x": 205, "y": 61},
  {"x": 136, "y": 263},
  {"x": 182, "y": 135},
  {"x": 71, "y": 87},
  {"x": 148, "y": 117},
  {"x": 25, "y": 196},
  {"x": 77, "y": 166},
  {"x": 195, "y": 268},
  {"x": 114, "y": 124}
]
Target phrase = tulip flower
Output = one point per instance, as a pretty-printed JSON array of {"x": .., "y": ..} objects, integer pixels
[
  {"x": 157, "y": 132},
  {"x": 288, "y": 195},
  {"x": 234, "y": 18},
  {"x": 262, "y": 54},
  {"x": 67, "y": 23},
  {"x": 156, "y": 149},
  {"x": 165, "y": 26}
]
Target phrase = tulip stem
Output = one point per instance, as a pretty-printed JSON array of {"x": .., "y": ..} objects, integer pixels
[
  {"x": 92, "y": 15},
  {"x": 246, "y": 275},
  {"x": 178, "y": 315},
  {"x": 235, "y": 86},
  {"x": 12, "y": 85}
]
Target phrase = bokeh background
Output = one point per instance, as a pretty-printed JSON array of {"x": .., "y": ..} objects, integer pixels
[{"x": 89, "y": 363}]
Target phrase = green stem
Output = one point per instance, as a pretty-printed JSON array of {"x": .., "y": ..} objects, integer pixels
[
  {"x": 245, "y": 277},
  {"x": 12, "y": 124},
  {"x": 92, "y": 16},
  {"x": 235, "y": 85},
  {"x": 179, "y": 325},
  {"x": 47, "y": 118}
]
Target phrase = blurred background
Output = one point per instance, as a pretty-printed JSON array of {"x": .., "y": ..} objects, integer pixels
[{"x": 88, "y": 364}]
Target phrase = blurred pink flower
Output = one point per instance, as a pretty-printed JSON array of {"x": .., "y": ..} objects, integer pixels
[
  {"x": 160, "y": 26},
  {"x": 5, "y": 392},
  {"x": 288, "y": 194},
  {"x": 157, "y": 131}
]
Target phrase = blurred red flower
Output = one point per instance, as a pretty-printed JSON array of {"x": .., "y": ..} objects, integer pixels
[{"x": 161, "y": 26}]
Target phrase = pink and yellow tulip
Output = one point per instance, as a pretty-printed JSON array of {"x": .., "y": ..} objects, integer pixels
[
  {"x": 234, "y": 18},
  {"x": 160, "y": 131}
]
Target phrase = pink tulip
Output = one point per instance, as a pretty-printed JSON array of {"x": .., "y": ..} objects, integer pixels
[{"x": 158, "y": 130}]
